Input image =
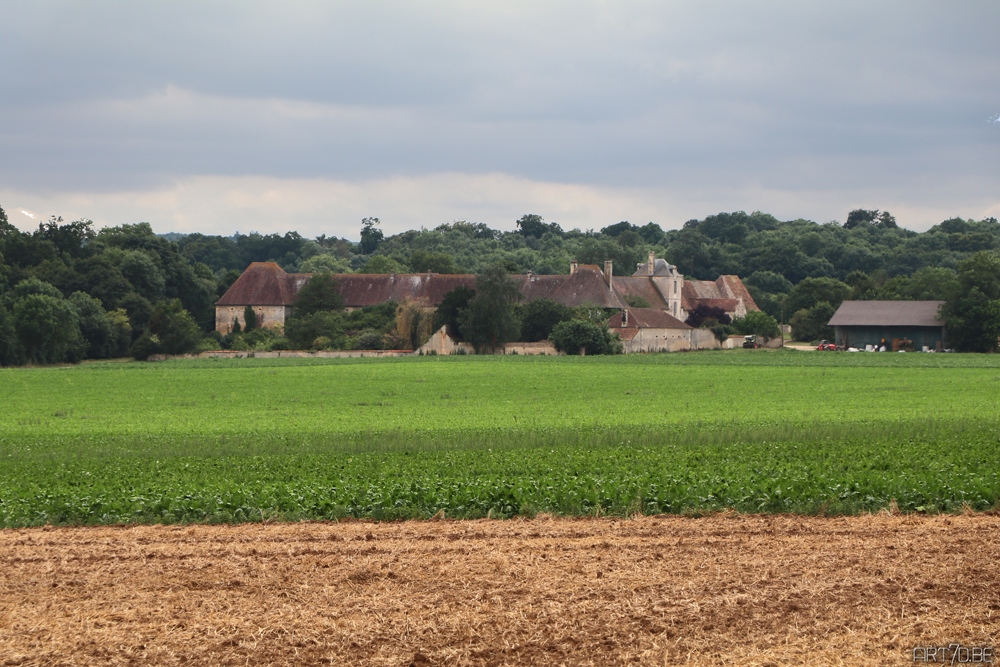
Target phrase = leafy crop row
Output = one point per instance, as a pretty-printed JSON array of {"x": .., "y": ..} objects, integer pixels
[{"x": 249, "y": 441}]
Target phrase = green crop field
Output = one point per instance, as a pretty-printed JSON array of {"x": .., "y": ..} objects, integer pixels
[{"x": 256, "y": 439}]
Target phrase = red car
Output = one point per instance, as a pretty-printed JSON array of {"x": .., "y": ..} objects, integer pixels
[{"x": 826, "y": 345}]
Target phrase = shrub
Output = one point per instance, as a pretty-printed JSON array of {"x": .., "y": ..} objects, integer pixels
[
  {"x": 303, "y": 331},
  {"x": 721, "y": 332},
  {"x": 757, "y": 323},
  {"x": 702, "y": 315},
  {"x": 368, "y": 340},
  {"x": 577, "y": 336},
  {"x": 279, "y": 343},
  {"x": 176, "y": 329},
  {"x": 414, "y": 325},
  {"x": 809, "y": 324},
  {"x": 145, "y": 346}
]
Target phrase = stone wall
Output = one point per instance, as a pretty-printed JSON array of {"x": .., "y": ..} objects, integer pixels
[
  {"x": 659, "y": 340},
  {"x": 285, "y": 354},
  {"x": 443, "y": 344},
  {"x": 267, "y": 316},
  {"x": 541, "y": 347},
  {"x": 679, "y": 340}
]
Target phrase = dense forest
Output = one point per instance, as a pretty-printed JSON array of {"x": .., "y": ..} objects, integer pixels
[{"x": 116, "y": 281}]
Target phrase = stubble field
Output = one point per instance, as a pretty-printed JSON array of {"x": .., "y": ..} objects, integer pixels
[{"x": 721, "y": 590}]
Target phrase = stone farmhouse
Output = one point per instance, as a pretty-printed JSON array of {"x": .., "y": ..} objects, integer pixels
[{"x": 270, "y": 291}]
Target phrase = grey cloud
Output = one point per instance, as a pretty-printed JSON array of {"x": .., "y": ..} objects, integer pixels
[{"x": 712, "y": 95}]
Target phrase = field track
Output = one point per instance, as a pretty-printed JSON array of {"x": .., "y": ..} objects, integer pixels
[{"x": 723, "y": 589}]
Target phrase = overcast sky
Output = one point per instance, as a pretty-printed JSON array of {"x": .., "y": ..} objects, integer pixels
[{"x": 223, "y": 116}]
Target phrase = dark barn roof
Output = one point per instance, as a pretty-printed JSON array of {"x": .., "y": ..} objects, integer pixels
[{"x": 887, "y": 314}]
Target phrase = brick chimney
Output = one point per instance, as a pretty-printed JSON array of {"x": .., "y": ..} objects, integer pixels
[
  {"x": 607, "y": 271},
  {"x": 651, "y": 264},
  {"x": 572, "y": 267}
]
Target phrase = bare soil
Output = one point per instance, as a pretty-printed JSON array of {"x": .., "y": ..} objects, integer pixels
[{"x": 724, "y": 589}]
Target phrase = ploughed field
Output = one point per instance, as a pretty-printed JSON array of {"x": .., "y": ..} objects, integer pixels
[
  {"x": 251, "y": 440},
  {"x": 662, "y": 590}
]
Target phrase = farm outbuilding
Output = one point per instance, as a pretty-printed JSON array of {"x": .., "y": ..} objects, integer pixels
[{"x": 861, "y": 323}]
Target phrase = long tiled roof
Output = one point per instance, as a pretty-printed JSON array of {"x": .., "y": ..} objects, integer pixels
[
  {"x": 267, "y": 284},
  {"x": 585, "y": 285},
  {"x": 361, "y": 289},
  {"x": 646, "y": 318},
  {"x": 887, "y": 313},
  {"x": 641, "y": 287}
]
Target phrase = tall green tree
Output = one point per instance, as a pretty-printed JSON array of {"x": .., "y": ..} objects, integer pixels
[
  {"x": 95, "y": 326},
  {"x": 490, "y": 322},
  {"x": 11, "y": 350},
  {"x": 449, "y": 311},
  {"x": 48, "y": 329},
  {"x": 371, "y": 235},
  {"x": 423, "y": 261},
  {"x": 250, "y": 318},
  {"x": 811, "y": 291},
  {"x": 972, "y": 315},
  {"x": 540, "y": 316},
  {"x": 532, "y": 225},
  {"x": 318, "y": 294},
  {"x": 172, "y": 330},
  {"x": 810, "y": 324},
  {"x": 175, "y": 326}
]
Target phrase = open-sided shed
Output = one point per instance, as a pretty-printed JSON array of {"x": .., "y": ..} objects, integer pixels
[{"x": 860, "y": 323}]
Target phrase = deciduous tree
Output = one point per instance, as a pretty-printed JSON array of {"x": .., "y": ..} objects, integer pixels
[
  {"x": 489, "y": 322},
  {"x": 371, "y": 235},
  {"x": 48, "y": 329},
  {"x": 540, "y": 316},
  {"x": 972, "y": 315},
  {"x": 449, "y": 311},
  {"x": 318, "y": 294}
]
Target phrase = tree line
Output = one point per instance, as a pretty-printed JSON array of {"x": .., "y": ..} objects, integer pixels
[{"x": 69, "y": 292}]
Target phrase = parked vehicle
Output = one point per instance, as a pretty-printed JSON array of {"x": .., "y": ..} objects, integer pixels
[
  {"x": 826, "y": 345},
  {"x": 751, "y": 342}
]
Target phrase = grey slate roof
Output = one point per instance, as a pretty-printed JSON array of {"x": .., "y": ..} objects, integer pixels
[{"x": 887, "y": 313}]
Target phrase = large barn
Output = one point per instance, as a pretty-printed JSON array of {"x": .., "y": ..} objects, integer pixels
[
  {"x": 861, "y": 323},
  {"x": 270, "y": 291}
]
